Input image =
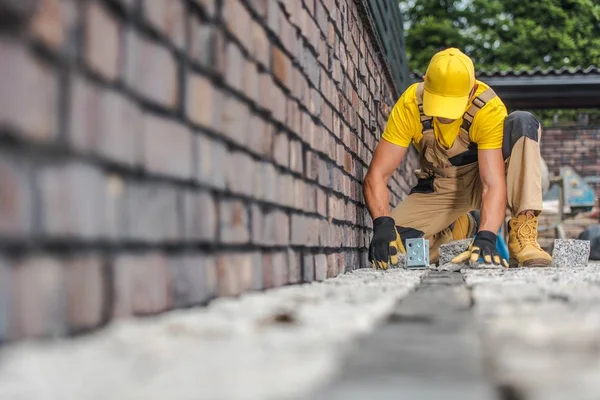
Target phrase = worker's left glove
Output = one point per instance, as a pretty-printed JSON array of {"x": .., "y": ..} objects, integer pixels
[
  {"x": 385, "y": 243},
  {"x": 483, "y": 246}
]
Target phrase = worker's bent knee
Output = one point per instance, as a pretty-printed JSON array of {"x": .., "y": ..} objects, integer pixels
[{"x": 519, "y": 124}]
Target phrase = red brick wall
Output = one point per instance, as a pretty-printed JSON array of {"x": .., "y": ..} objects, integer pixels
[
  {"x": 156, "y": 154},
  {"x": 575, "y": 147}
]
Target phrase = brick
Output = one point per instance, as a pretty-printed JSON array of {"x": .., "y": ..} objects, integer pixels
[
  {"x": 116, "y": 207},
  {"x": 281, "y": 65},
  {"x": 332, "y": 265},
  {"x": 273, "y": 17},
  {"x": 167, "y": 147},
  {"x": 153, "y": 213},
  {"x": 252, "y": 82},
  {"x": 73, "y": 201},
  {"x": 168, "y": 17},
  {"x": 211, "y": 161},
  {"x": 276, "y": 225},
  {"x": 258, "y": 224},
  {"x": 321, "y": 16},
  {"x": 278, "y": 104},
  {"x": 281, "y": 150},
  {"x": 32, "y": 107},
  {"x": 85, "y": 291},
  {"x": 202, "y": 45},
  {"x": 296, "y": 157},
  {"x": 285, "y": 190},
  {"x": 320, "y": 267},
  {"x": 240, "y": 170},
  {"x": 266, "y": 88},
  {"x": 238, "y": 21},
  {"x": 257, "y": 282},
  {"x": 199, "y": 216},
  {"x": 299, "y": 194},
  {"x": 321, "y": 201},
  {"x": 260, "y": 44},
  {"x": 142, "y": 284},
  {"x": 295, "y": 267},
  {"x": 326, "y": 233},
  {"x": 38, "y": 301},
  {"x": 144, "y": 61},
  {"x": 102, "y": 41},
  {"x": 234, "y": 222},
  {"x": 275, "y": 269},
  {"x": 119, "y": 129},
  {"x": 16, "y": 197},
  {"x": 270, "y": 182},
  {"x": 324, "y": 174},
  {"x": 84, "y": 115},
  {"x": 203, "y": 102},
  {"x": 308, "y": 267},
  {"x": 235, "y": 64},
  {"x": 228, "y": 276},
  {"x": 52, "y": 22},
  {"x": 300, "y": 230},
  {"x": 288, "y": 35},
  {"x": 189, "y": 279},
  {"x": 260, "y": 138},
  {"x": 234, "y": 120}
]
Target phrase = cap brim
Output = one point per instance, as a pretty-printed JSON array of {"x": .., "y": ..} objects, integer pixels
[{"x": 444, "y": 107}]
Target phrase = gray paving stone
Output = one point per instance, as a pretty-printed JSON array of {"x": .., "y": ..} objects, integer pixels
[
  {"x": 235, "y": 348},
  {"x": 450, "y": 250},
  {"x": 428, "y": 349},
  {"x": 569, "y": 253}
]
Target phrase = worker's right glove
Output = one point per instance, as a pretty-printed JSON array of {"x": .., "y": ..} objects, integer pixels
[
  {"x": 484, "y": 246},
  {"x": 383, "y": 250}
]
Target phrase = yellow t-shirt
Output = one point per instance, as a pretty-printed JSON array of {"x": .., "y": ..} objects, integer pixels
[{"x": 404, "y": 123}]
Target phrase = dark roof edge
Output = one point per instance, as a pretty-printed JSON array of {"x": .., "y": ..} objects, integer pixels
[{"x": 537, "y": 71}]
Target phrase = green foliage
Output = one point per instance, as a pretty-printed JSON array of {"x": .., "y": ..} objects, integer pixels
[
  {"x": 501, "y": 34},
  {"x": 506, "y": 34}
]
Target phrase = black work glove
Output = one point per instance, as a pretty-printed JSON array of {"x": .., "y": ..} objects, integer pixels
[
  {"x": 385, "y": 243},
  {"x": 484, "y": 246}
]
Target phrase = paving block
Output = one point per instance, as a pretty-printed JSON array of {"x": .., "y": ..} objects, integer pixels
[
  {"x": 571, "y": 253},
  {"x": 450, "y": 250}
]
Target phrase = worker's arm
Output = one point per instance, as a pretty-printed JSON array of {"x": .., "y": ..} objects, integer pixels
[
  {"x": 386, "y": 159},
  {"x": 493, "y": 203},
  {"x": 493, "y": 209}
]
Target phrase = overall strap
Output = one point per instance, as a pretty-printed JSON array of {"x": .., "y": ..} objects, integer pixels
[
  {"x": 478, "y": 103},
  {"x": 426, "y": 121}
]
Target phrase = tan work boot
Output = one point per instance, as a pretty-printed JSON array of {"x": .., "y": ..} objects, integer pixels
[
  {"x": 522, "y": 243},
  {"x": 464, "y": 227}
]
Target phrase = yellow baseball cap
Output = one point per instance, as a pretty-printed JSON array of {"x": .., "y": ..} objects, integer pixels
[{"x": 449, "y": 79}]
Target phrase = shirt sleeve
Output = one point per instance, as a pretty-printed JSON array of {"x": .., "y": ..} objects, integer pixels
[
  {"x": 401, "y": 124},
  {"x": 488, "y": 127}
]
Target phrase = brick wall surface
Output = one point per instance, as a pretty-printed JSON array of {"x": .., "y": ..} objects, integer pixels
[
  {"x": 578, "y": 148},
  {"x": 155, "y": 154}
]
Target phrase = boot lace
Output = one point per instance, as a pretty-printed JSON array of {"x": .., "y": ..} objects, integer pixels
[{"x": 527, "y": 232}]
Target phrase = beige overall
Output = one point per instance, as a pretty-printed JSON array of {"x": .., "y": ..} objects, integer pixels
[{"x": 448, "y": 180}]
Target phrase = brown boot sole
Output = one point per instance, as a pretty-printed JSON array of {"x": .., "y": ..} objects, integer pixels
[{"x": 536, "y": 262}]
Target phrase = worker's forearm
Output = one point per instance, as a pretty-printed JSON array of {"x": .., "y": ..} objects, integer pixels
[
  {"x": 377, "y": 196},
  {"x": 493, "y": 208}
]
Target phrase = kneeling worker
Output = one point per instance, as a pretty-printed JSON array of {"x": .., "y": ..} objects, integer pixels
[{"x": 473, "y": 156}]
